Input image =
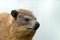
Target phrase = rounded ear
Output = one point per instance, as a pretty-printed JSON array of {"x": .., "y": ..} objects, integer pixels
[{"x": 14, "y": 13}]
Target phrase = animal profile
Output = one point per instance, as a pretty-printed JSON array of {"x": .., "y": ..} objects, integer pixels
[{"x": 20, "y": 24}]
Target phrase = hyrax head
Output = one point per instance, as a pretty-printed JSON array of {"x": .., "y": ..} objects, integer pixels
[{"x": 25, "y": 23}]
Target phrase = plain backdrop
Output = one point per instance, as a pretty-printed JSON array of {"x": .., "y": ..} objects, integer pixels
[{"x": 47, "y": 13}]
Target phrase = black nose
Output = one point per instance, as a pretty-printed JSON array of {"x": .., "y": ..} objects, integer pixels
[{"x": 36, "y": 25}]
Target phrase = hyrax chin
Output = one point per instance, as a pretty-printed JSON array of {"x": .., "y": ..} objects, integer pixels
[{"x": 19, "y": 25}]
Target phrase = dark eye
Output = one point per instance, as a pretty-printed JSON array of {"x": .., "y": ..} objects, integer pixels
[{"x": 26, "y": 19}]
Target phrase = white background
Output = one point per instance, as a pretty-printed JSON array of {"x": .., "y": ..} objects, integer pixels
[{"x": 46, "y": 11}]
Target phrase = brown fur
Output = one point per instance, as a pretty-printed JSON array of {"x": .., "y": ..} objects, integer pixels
[{"x": 9, "y": 29}]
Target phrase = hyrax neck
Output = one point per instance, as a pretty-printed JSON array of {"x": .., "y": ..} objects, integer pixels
[
  {"x": 15, "y": 38},
  {"x": 24, "y": 38}
]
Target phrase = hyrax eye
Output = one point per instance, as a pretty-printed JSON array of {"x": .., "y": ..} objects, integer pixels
[{"x": 26, "y": 19}]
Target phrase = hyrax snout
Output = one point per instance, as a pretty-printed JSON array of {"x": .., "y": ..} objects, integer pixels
[{"x": 19, "y": 25}]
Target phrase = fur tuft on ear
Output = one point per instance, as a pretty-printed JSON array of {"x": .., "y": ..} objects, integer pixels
[{"x": 14, "y": 13}]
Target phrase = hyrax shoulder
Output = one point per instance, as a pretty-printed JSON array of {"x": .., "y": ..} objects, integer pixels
[
  {"x": 19, "y": 25},
  {"x": 5, "y": 23}
]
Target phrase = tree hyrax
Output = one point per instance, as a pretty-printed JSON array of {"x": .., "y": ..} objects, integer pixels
[{"x": 19, "y": 25}]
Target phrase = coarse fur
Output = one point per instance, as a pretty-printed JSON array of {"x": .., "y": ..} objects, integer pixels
[{"x": 12, "y": 28}]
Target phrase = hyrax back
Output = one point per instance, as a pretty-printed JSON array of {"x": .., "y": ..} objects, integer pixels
[{"x": 19, "y": 25}]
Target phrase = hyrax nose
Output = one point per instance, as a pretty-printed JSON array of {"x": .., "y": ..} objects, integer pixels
[{"x": 36, "y": 25}]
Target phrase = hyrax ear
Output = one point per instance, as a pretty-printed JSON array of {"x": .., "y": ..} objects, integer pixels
[{"x": 14, "y": 13}]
